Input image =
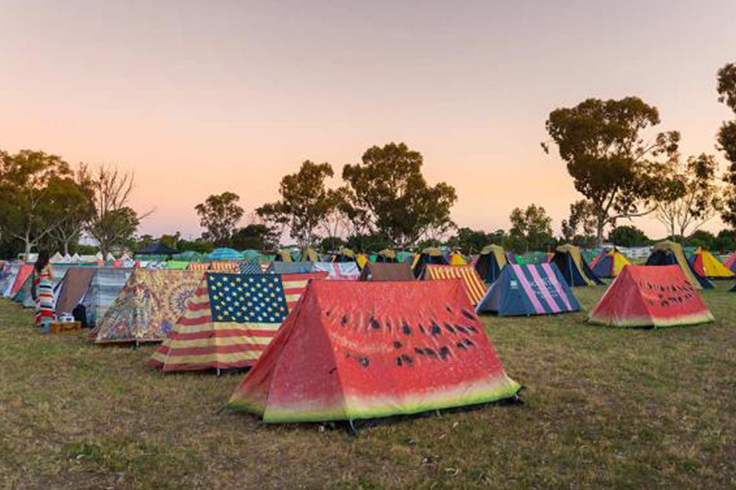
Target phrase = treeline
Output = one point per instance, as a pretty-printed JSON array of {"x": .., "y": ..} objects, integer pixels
[{"x": 623, "y": 168}]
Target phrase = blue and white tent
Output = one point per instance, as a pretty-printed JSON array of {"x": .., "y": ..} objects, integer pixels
[{"x": 525, "y": 290}]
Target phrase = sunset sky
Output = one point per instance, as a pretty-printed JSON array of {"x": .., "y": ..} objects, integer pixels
[{"x": 201, "y": 97}]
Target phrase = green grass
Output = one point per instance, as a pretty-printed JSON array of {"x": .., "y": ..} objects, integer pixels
[{"x": 605, "y": 408}]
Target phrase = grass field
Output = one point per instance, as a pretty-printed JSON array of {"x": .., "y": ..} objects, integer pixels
[{"x": 604, "y": 408}]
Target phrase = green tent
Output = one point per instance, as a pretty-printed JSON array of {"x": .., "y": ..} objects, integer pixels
[{"x": 177, "y": 264}]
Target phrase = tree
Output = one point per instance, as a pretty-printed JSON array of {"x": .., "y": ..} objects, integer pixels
[
  {"x": 113, "y": 222},
  {"x": 581, "y": 219},
  {"x": 531, "y": 228},
  {"x": 727, "y": 138},
  {"x": 255, "y": 236},
  {"x": 33, "y": 186},
  {"x": 725, "y": 241},
  {"x": 612, "y": 166},
  {"x": 219, "y": 214},
  {"x": 469, "y": 241},
  {"x": 305, "y": 203},
  {"x": 388, "y": 188},
  {"x": 691, "y": 195},
  {"x": 75, "y": 196},
  {"x": 628, "y": 236},
  {"x": 701, "y": 238}
]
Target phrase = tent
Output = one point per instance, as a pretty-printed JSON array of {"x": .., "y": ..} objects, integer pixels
[
  {"x": 338, "y": 271},
  {"x": 283, "y": 255},
  {"x": 176, "y": 264},
  {"x": 387, "y": 272},
  {"x": 251, "y": 255},
  {"x": 456, "y": 258},
  {"x": 224, "y": 254},
  {"x": 670, "y": 253},
  {"x": 609, "y": 264},
  {"x": 103, "y": 290},
  {"x": 645, "y": 296},
  {"x": 188, "y": 256},
  {"x": 224, "y": 266},
  {"x": 573, "y": 268},
  {"x": 73, "y": 287},
  {"x": 158, "y": 249},
  {"x": 386, "y": 256},
  {"x": 9, "y": 275},
  {"x": 290, "y": 267},
  {"x": 21, "y": 276},
  {"x": 473, "y": 284},
  {"x": 357, "y": 350},
  {"x": 535, "y": 258},
  {"x": 404, "y": 257},
  {"x": 526, "y": 290},
  {"x": 706, "y": 265},
  {"x": 430, "y": 255},
  {"x": 491, "y": 261},
  {"x": 147, "y": 307},
  {"x": 310, "y": 255},
  {"x": 250, "y": 268},
  {"x": 229, "y": 321}
]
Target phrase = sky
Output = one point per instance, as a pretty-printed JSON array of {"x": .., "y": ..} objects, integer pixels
[{"x": 202, "y": 97}]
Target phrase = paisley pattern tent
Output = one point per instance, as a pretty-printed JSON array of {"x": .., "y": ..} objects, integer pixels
[
  {"x": 148, "y": 306},
  {"x": 356, "y": 350}
]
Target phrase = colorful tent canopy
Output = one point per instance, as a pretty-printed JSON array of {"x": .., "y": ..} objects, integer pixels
[
  {"x": 457, "y": 259},
  {"x": 147, "y": 307},
  {"x": 283, "y": 255},
  {"x": 177, "y": 265},
  {"x": 490, "y": 262},
  {"x": 338, "y": 271},
  {"x": 103, "y": 290},
  {"x": 386, "y": 256},
  {"x": 706, "y": 265},
  {"x": 525, "y": 290},
  {"x": 609, "y": 264},
  {"x": 356, "y": 350},
  {"x": 573, "y": 268},
  {"x": 474, "y": 286},
  {"x": 731, "y": 262},
  {"x": 224, "y": 254},
  {"x": 387, "y": 272},
  {"x": 229, "y": 321},
  {"x": 24, "y": 272},
  {"x": 645, "y": 296},
  {"x": 430, "y": 255},
  {"x": 670, "y": 253}
]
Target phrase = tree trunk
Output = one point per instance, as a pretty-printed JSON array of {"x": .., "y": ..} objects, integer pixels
[
  {"x": 28, "y": 246},
  {"x": 600, "y": 225}
]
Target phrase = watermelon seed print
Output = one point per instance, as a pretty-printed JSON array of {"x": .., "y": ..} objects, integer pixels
[
  {"x": 406, "y": 329},
  {"x": 421, "y": 329},
  {"x": 461, "y": 345},
  {"x": 435, "y": 329},
  {"x": 344, "y": 321},
  {"x": 449, "y": 328},
  {"x": 461, "y": 329},
  {"x": 469, "y": 315},
  {"x": 444, "y": 353},
  {"x": 375, "y": 324},
  {"x": 364, "y": 361},
  {"x": 397, "y": 344}
]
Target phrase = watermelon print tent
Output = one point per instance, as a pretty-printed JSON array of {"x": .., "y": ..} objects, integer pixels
[
  {"x": 351, "y": 350},
  {"x": 609, "y": 264},
  {"x": 491, "y": 261},
  {"x": 525, "y": 290},
  {"x": 573, "y": 268},
  {"x": 148, "y": 306},
  {"x": 706, "y": 265},
  {"x": 646, "y": 296},
  {"x": 670, "y": 253},
  {"x": 338, "y": 271},
  {"x": 208, "y": 336},
  {"x": 474, "y": 287}
]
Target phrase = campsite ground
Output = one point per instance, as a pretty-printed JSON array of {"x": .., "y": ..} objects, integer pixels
[{"x": 604, "y": 408}]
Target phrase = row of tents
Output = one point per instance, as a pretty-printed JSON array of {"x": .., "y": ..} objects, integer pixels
[{"x": 340, "y": 341}]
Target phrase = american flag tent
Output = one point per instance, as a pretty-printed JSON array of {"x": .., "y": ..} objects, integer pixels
[
  {"x": 473, "y": 284},
  {"x": 230, "y": 320}
]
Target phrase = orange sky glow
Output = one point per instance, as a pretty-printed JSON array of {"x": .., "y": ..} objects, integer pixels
[{"x": 201, "y": 97}]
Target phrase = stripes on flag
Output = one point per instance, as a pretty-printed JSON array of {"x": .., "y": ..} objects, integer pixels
[
  {"x": 230, "y": 320},
  {"x": 250, "y": 268},
  {"x": 473, "y": 284}
]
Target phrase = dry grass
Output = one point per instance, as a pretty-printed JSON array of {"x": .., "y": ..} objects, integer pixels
[{"x": 604, "y": 408}]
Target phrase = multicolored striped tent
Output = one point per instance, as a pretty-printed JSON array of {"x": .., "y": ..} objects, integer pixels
[
  {"x": 230, "y": 320},
  {"x": 526, "y": 290},
  {"x": 147, "y": 307},
  {"x": 706, "y": 265},
  {"x": 472, "y": 282},
  {"x": 103, "y": 290},
  {"x": 609, "y": 264}
]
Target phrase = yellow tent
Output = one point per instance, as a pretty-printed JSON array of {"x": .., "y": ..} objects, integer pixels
[
  {"x": 707, "y": 265},
  {"x": 456, "y": 258}
]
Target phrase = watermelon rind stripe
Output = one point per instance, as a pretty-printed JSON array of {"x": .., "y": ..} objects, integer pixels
[
  {"x": 356, "y": 407},
  {"x": 647, "y": 321}
]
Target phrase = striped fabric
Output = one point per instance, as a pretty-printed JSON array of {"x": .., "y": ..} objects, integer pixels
[
  {"x": 549, "y": 299},
  {"x": 198, "y": 266},
  {"x": 230, "y": 320},
  {"x": 249, "y": 268},
  {"x": 224, "y": 266},
  {"x": 473, "y": 284},
  {"x": 44, "y": 297}
]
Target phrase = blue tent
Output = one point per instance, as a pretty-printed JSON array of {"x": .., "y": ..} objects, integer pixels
[
  {"x": 290, "y": 267},
  {"x": 573, "y": 267},
  {"x": 525, "y": 290},
  {"x": 225, "y": 254}
]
